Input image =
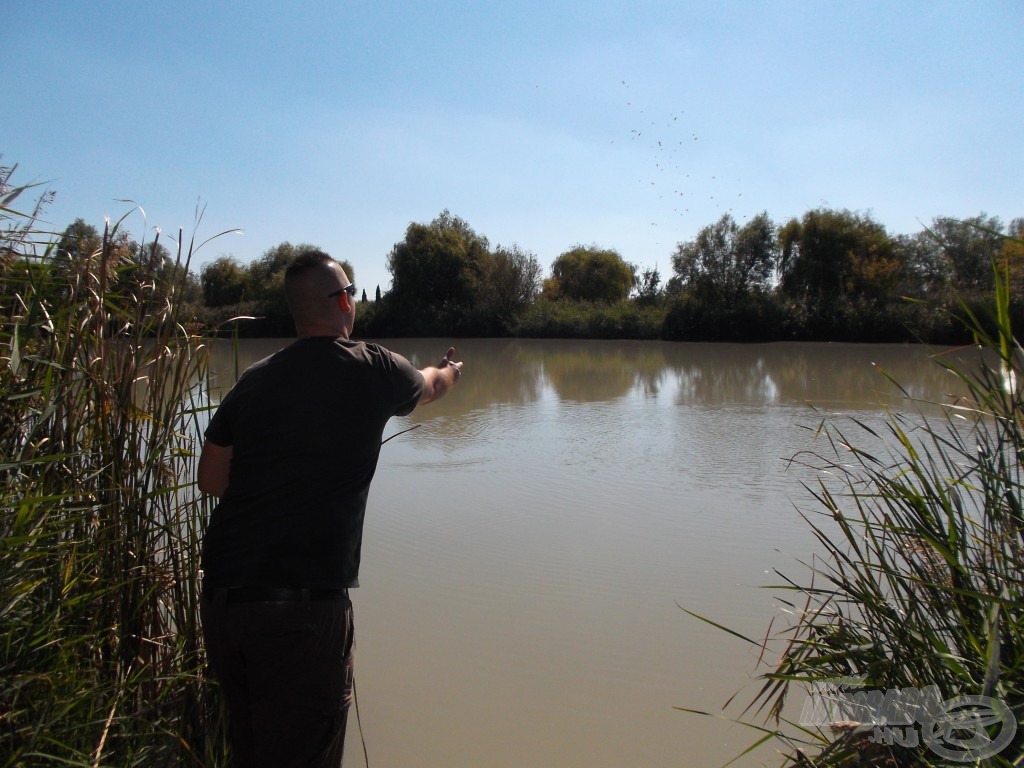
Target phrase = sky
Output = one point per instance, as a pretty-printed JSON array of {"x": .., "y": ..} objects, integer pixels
[{"x": 626, "y": 124}]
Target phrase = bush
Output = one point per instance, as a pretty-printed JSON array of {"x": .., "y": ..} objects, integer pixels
[
  {"x": 704, "y": 317},
  {"x": 586, "y": 320}
]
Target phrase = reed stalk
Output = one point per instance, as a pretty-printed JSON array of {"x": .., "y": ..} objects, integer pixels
[
  {"x": 918, "y": 584},
  {"x": 102, "y": 405}
]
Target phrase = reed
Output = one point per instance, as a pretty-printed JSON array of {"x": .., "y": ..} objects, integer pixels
[
  {"x": 102, "y": 403},
  {"x": 919, "y": 583}
]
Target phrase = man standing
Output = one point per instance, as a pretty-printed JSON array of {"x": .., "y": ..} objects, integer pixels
[{"x": 290, "y": 453}]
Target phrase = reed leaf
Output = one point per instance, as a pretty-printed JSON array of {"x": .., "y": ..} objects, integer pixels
[
  {"x": 99, "y": 521},
  {"x": 919, "y": 581}
]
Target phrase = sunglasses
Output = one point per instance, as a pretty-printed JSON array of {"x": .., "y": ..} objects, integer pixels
[{"x": 350, "y": 289}]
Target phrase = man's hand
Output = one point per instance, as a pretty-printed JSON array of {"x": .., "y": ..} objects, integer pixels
[
  {"x": 449, "y": 360},
  {"x": 437, "y": 381}
]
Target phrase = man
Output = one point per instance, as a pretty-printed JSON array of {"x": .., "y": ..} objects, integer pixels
[{"x": 290, "y": 453}]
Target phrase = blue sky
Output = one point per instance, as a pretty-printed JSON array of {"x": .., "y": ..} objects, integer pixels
[{"x": 627, "y": 125}]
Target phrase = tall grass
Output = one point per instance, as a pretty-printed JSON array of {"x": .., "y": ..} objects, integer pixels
[
  {"x": 100, "y": 658},
  {"x": 919, "y": 584}
]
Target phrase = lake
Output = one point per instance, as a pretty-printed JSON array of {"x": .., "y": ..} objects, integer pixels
[{"x": 530, "y": 545}]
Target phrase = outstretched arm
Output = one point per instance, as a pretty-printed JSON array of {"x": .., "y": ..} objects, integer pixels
[{"x": 437, "y": 380}]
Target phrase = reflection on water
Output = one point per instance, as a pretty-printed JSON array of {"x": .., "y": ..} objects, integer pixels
[
  {"x": 529, "y": 546},
  {"x": 844, "y": 376}
]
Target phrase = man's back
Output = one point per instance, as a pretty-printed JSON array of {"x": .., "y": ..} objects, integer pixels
[{"x": 305, "y": 425}]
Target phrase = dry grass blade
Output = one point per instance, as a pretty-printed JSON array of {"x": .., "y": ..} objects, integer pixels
[{"x": 99, "y": 521}]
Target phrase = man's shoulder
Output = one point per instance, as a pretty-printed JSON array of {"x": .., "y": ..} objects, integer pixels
[
  {"x": 377, "y": 353},
  {"x": 322, "y": 354}
]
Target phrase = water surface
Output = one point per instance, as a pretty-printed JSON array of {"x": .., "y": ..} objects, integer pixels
[{"x": 531, "y": 543}]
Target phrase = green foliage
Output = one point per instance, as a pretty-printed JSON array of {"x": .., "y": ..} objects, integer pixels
[
  {"x": 925, "y": 275},
  {"x": 969, "y": 248},
  {"x": 828, "y": 276},
  {"x": 842, "y": 278},
  {"x": 371, "y": 322},
  {"x": 254, "y": 291},
  {"x": 589, "y": 273},
  {"x": 266, "y": 278},
  {"x": 704, "y": 317},
  {"x": 546, "y": 318},
  {"x": 78, "y": 241},
  {"x": 836, "y": 253},
  {"x": 511, "y": 284},
  {"x": 920, "y": 579},
  {"x": 99, "y": 522},
  {"x": 727, "y": 261},
  {"x": 447, "y": 281},
  {"x": 224, "y": 282},
  {"x": 648, "y": 288},
  {"x": 437, "y": 277}
]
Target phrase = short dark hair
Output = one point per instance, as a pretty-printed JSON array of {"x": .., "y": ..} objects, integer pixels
[
  {"x": 312, "y": 264},
  {"x": 307, "y": 260}
]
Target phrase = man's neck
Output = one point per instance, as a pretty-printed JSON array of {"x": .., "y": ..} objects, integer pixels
[{"x": 321, "y": 330}]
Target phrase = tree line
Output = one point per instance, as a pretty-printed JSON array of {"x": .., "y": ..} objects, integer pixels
[{"x": 830, "y": 275}]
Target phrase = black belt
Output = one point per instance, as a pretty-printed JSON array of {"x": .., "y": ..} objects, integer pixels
[{"x": 273, "y": 594}]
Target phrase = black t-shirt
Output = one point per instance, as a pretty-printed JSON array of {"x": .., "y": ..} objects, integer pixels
[{"x": 305, "y": 426}]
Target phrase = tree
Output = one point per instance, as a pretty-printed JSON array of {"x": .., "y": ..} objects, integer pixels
[
  {"x": 830, "y": 254},
  {"x": 79, "y": 239},
  {"x": 512, "y": 281},
  {"x": 728, "y": 261},
  {"x": 589, "y": 273},
  {"x": 969, "y": 247},
  {"x": 875, "y": 270},
  {"x": 84, "y": 254},
  {"x": 224, "y": 282},
  {"x": 924, "y": 271},
  {"x": 438, "y": 276},
  {"x": 648, "y": 287},
  {"x": 77, "y": 244}
]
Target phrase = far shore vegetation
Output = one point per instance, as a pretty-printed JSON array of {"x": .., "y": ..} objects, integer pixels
[
  {"x": 104, "y": 347},
  {"x": 829, "y": 275}
]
